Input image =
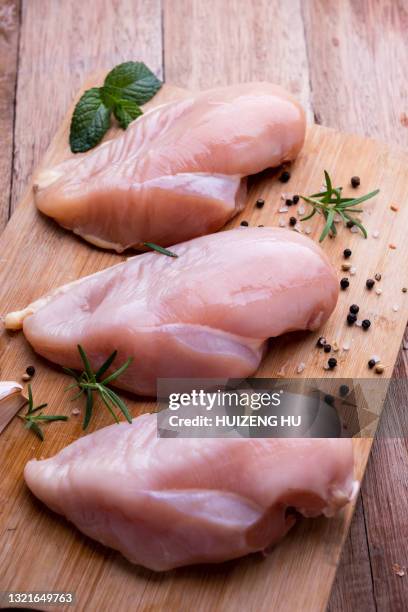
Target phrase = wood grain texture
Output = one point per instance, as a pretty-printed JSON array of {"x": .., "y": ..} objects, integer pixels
[
  {"x": 299, "y": 573},
  {"x": 358, "y": 73},
  {"x": 358, "y": 65},
  {"x": 9, "y": 31},
  {"x": 89, "y": 35},
  {"x": 213, "y": 43}
]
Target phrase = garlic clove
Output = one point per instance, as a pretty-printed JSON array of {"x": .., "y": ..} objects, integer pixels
[{"x": 11, "y": 400}]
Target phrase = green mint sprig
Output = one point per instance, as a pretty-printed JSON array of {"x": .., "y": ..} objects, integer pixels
[{"x": 125, "y": 89}]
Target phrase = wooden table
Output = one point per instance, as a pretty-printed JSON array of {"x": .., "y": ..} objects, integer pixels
[{"x": 346, "y": 60}]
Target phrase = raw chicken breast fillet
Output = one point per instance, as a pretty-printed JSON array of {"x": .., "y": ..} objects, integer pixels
[
  {"x": 177, "y": 172},
  {"x": 206, "y": 313},
  {"x": 166, "y": 502}
]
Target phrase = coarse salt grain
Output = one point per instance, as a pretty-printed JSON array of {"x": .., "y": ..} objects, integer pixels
[
  {"x": 300, "y": 367},
  {"x": 346, "y": 346},
  {"x": 284, "y": 196},
  {"x": 376, "y": 233},
  {"x": 282, "y": 223},
  {"x": 308, "y": 230},
  {"x": 358, "y": 323},
  {"x": 301, "y": 209},
  {"x": 375, "y": 358},
  {"x": 395, "y": 308},
  {"x": 353, "y": 270},
  {"x": 283, "y": 209},
  {"x": 354, "y": 229},
  {"x": 75, "y": 411},
  {"x": 298, "y": 228},
  {"x": 378, "y": 291}
]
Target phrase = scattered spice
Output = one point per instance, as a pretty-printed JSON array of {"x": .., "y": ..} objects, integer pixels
[
  {"x": 295, "y": 199},
  {"x": 30, "y": 370},
  {"x": 398, "y": 570},
  {"x": 355, "y": 181},
  {"x": 404, "y": 290},
  {"x": 377, "y": 276},
  {"x": 284, "y": 177},
  {"x": 394, "y": 207},
  {"x": 260, "y": 203},
  {"x": 344, "y": 390},
  {"x": 292, "y": 221},
  {"x": 365, "y": 323},
  {"x": 327, "y": 348},
  {"x": 350, "y": 224},
  {"x": 332, "y": 362},
  {"x": 351, "y": 318},
  {"x": 345, "y": 267},
  {"x": 347, "y": 253},
  {"x": 379, "y": 368},
  {"x": 288, "y": 202},
  {"x": 33, "y": 420},
  {"x": 392, "y": 246},
  {"x": 370, "y": 283},
  {"x": 329, "y": 399},
  {"x": 261, "y": 226},
  {"x": 300, "y": 367},
  {"x": 335, "y": 347},
  {"x": 26, "y": 377},
  {"x": 321, "y": 342},
  {"x": 244, "y": 223},
  {"x": 354, "y": 308},
  {"x": 344, "y": 283},
  {"x": 371, "y": 363}
]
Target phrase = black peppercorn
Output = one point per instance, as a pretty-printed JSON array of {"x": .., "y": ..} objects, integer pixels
[
  {"x": 244, "y": 223},
  {"x": 365, "y": 324},
  {"x": 332, "y": 362},
  {"x": 30, "y": 370},
  {"x": 355, "y": 181},
  {"x": 371, "y": 363},
  {"x": 354, "y": 309},
  {"x": 329, "y": 399},
  {"x": 370, "y": 283},
  {"x": 292, "y": 221},
  {"x": 344, "y": 283},
  {"x": 259, "y": 203},
  {"x": 288, "y": 202},
  {"x": 347, "y": 253},
  {"x": 350, "y": 224},
  {"x": 295, "y": 199},
  {"x": 344, "y": 390},
  {"x": 284, "y": 177},
  {"x": 327, "y": 348},
  {"x": 351, "y": 318},
  {"x": 321, "y": 342}
]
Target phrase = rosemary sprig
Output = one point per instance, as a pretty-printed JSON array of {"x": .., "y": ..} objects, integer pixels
[
  {"x": 159, "y": 249},
  {"x": 32, "y": 419},
  {"x": 89, "y": 383},
  {"x": 329, "y": 203}
]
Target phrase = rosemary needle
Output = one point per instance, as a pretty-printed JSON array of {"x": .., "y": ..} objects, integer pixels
[
  {"x": 329, "y": 203},
  {"x": 90, "y": 382},
  {"x": 32, "y": 419},
  {"x": 159, "y": 249}
]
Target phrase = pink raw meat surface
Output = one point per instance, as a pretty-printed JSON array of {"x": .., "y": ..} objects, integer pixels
[
  {"x": 164, "y": 503},
  {"x": 207, "y": 313},
  {"x": 178, "y": 171}
]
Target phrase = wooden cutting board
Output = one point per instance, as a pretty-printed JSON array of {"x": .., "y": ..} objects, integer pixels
[{"x": 41, "y": 551}]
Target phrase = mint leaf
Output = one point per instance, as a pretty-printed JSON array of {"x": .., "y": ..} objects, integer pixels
[
  {"x": 126, "y": 112},
  {"x": 90, "y": 121},
  {"x": 131, "y": 81}
]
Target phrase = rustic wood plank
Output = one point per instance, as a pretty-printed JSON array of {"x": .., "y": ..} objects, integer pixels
[
  {"x": 9, "y": 35},
  {"x": 358, "y": 72},
  {"x": 358, "y": 66},
  {"x": 61, "y": 43},
  {"x": 213, "y": 43}
]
